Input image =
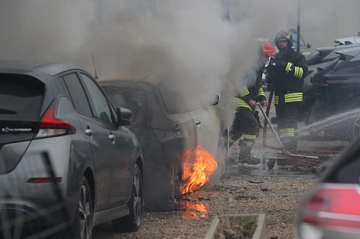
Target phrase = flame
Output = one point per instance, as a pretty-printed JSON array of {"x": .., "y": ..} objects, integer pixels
[
  {"x": 198, "y": 166},
  {"x": 193, "y": 211}
]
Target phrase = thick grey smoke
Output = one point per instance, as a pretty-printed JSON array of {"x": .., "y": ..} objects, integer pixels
[{"x": 201, "y": 47}]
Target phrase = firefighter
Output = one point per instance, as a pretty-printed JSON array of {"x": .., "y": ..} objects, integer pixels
[
  {"x": 246, "y": 122},
  {"x": 286, "y": 72}
]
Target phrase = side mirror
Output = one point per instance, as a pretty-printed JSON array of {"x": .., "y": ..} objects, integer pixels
[
  {"x": 308, "y": 45},
  {"x": 123, "y": 116},
  {"x": 319, "y": 69},
  {"x": 217, "y": 100}
]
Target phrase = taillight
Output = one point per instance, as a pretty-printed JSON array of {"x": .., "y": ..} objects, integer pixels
[
  {"x": 330, "y": 206},
  {"x": 50, "y": 126},
  {"x": 309, "y": 72},
  {"x": 326, "y": 80},
  {"x": 320, "y": 82}
]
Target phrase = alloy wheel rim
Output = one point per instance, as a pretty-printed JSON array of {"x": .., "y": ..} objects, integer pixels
[
  {"x": 84, "y": 213},
  {"x": 137, "y": 199}
]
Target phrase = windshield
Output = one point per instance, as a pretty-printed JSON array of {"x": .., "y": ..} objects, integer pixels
[{"x": 295, "y": 38}]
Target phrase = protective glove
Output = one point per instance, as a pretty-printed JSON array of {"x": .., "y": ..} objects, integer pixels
[
  {"x": 276, "y": 64},
  {"x": 270, "y": 77}
]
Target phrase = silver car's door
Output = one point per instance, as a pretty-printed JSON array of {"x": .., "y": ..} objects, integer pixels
[
  {"x": 97, "y": 131},
  {"x": 119, "y": 139}
]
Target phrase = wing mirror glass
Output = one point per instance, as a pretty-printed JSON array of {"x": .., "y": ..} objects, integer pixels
[
  {"x": 123, "y": 116},
  {"x": 217, "y": 100}
]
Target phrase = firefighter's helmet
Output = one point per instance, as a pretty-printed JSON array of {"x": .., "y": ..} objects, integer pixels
[
  {"x": 267, "y": 48},
  {"x": 283, "y": 36}
]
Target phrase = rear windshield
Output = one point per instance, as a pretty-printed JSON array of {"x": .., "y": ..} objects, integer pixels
[{"x": 20, "y": 97}]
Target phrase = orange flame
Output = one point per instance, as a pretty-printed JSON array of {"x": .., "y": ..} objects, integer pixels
[
  {"x": 193, "y": 211},
  {"x": 198, "y": 166}
]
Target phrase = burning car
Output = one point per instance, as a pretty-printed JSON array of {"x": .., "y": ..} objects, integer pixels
[{"x": 184, "y": 146}]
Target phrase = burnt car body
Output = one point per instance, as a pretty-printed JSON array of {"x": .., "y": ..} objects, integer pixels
[
  {"x": 67, "y": 160},
  {"x": 330, "y": 209},
  {"x": 337, "y": 92},
  {"x": 165, "y": 131}
]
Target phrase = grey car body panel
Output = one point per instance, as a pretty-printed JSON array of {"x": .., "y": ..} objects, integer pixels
[
  {"x": 10, "y": 156},
  {"x": 71, "y": 155}
]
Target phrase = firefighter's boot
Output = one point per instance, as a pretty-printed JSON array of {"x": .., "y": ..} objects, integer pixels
[{"x": 245, "y": 154}]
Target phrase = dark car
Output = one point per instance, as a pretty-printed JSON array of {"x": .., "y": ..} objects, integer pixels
[
  {"x": 337, "y": 96},
  {"x": 330, "y": 209},
  {"x": 166, "y": 128},
  {"x": 68, "y": 161},
  {"x": 323, "y": 56}
]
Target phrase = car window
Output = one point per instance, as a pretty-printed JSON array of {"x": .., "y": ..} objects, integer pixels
[
  {"x": 175, "y": 99},
  {"x": 294, "y": 37},
  {"x": 25, "y": 94},
  {"x": 100, "y": 103},
  {"x": 77, "y": 93},
  {"x": 133, "y": 99}
]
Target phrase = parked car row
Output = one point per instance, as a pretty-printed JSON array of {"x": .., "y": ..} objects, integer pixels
[{"x": 70, "y": 160}]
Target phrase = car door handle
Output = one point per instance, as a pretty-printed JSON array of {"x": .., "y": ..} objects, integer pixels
[
  {"x": 89, "y": 132},
  {"x": 112, "y": 137},
  {"x": 197, "y": 121}
]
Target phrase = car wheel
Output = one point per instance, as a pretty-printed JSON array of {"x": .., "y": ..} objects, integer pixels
[
  {"x": 314, "y": 117},
  {"x": 319, "y": 131},
  {"x": 84, "y": 216},
  {"x": 175, "y": 179},
  {"x": 132, "y": 222}
]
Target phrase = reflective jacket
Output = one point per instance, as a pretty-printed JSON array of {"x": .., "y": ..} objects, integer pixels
[
  {"x": 289, "y": 81},
  {"x": 253, "y": 91}
]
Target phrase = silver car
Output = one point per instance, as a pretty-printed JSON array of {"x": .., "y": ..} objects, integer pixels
[{"x": 67, "y": 160}]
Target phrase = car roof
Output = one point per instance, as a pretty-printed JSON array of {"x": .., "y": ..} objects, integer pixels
[
  {"x": 348, "y": 40},
  {"x": 26, "y": 67},
  {"x": 150, "y": 80}
]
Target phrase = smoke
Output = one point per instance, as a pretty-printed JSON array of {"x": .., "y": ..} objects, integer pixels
[{"x": 201, "y": 48}]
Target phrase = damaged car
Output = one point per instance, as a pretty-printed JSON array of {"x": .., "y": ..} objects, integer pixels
[
  {"x": 323, "y": 56},
  {"x": 335, "y": 111},
  {"x": 169, "y": 130}
]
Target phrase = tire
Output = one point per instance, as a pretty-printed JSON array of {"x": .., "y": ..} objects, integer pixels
[
  {"x": 318, "y": 114},
  {"x": 175, "y": 180},
  {"x": 132, "y": 222},
  {"x": 83, "y": 223}
]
